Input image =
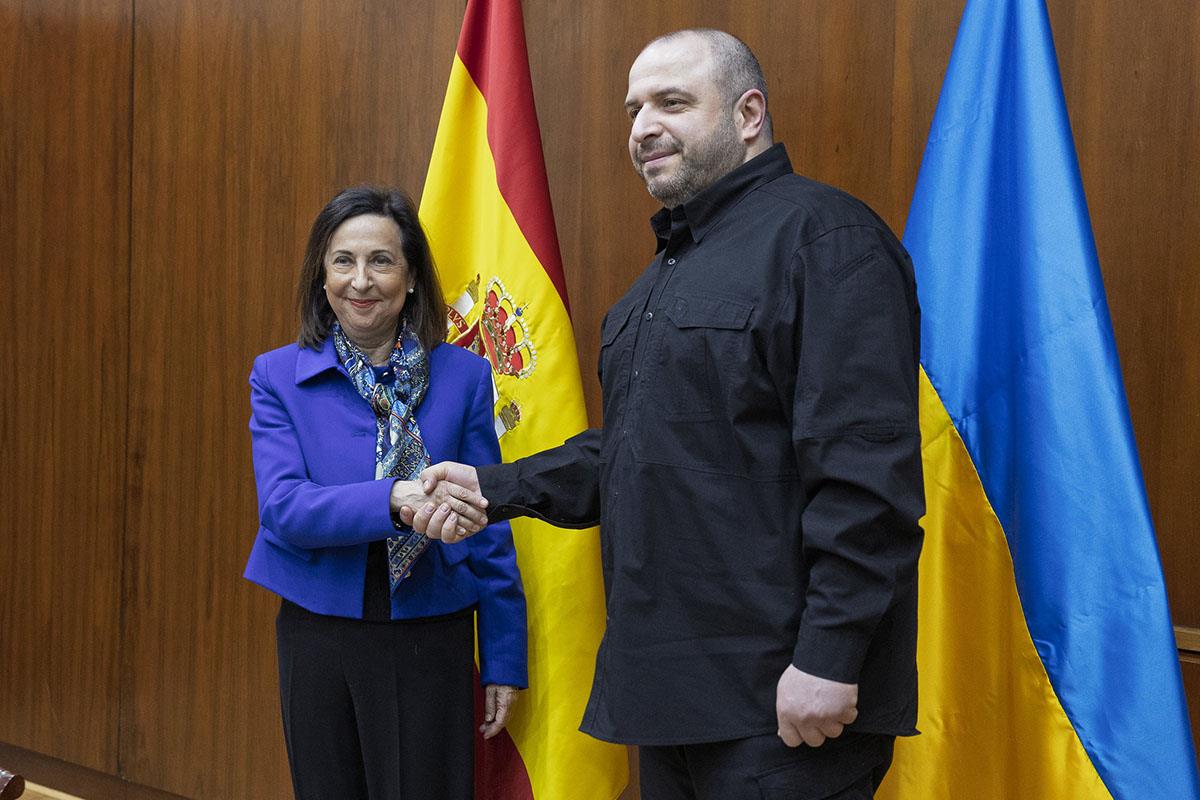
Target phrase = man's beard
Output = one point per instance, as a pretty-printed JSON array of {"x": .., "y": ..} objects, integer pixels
[{"x": 701, "y": 164}]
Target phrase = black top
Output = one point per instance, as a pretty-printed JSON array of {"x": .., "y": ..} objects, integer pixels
[
  {"x": 758, "y": 477},
  {"x": 377, "y": 584}
]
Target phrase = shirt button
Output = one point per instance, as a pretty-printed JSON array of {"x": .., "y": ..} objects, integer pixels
[
  {"x": 649, "y": 316},
  {"x": 671, "y": 261},
  {"x": 635, "y": 373}
]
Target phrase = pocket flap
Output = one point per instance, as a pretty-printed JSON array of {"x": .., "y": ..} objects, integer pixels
[
  {"x": 454, "y": 553},
  {"x": 298, "y": 552},
  {"x": 709, "y": 312},
  {"x": 614, "y": 322}
]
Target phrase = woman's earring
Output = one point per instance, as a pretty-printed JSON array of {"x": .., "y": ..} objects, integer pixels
[{"x": 410, "y": 290}]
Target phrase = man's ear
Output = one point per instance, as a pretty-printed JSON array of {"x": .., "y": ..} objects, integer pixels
[{"x": 750, "y": 115}]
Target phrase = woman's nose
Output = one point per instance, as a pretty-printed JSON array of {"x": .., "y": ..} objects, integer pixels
[{"x": 362, "y": 278}]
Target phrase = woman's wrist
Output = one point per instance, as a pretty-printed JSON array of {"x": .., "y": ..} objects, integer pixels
[{"x": 405, "y": 493}]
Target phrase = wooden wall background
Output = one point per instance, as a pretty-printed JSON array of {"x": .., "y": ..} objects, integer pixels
[{"x": 160, "y": 162}]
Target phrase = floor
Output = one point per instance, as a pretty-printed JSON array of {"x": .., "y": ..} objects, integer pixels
[{"x": 36, "y": 792}]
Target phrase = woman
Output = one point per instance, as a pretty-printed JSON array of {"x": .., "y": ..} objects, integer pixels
[{"x": 375, "y": 633}]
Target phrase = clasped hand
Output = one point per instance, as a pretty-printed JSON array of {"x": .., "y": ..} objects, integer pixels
[
  {"x": 810, "y": 709},
  {"x": 444, "y": 504}
]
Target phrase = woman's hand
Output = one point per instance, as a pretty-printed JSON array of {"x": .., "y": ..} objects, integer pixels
[
  {"x": 463, "y": 482},
  {"x": 459, "y": 508},
  {"x": 459, "y": 481},
  {"x": 497, "y": 703}
]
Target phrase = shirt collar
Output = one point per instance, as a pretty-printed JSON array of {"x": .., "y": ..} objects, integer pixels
[
  {"x": 702, "y": 212},
  {"x": 312, "y": 361}
]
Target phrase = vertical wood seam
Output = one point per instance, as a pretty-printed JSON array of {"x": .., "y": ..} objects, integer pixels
[{"x": 122, "y": 635}]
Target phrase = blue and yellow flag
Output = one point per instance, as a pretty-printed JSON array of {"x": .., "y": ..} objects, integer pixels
[{"x": 1047, "y": 657}]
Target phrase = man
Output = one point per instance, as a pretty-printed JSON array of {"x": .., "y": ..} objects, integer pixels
[{"x": 758, "y": 478}]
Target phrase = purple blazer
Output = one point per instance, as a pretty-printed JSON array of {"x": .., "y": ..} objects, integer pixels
[{"x": 319, "y": 504}]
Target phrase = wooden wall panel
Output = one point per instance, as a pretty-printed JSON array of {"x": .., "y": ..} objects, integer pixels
[
  {"x": 1190, "y": 666},
  {"x": 1130, "y": 75},
  {"x": 64, "y": 174},
  {"x": 248, "y": 117},
  {"x": 924, "y": 36}
]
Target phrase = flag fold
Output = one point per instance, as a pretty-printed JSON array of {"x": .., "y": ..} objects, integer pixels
[
  {"x": 1047, "y": 657},
  {"x": 486, "y": 209}
]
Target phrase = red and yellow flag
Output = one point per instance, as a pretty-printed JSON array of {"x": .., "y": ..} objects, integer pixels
[{"x": 486, "y": 209}]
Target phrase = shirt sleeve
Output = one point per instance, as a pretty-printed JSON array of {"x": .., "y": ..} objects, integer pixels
[
  {"x": 503, "y": 656},
  {"x": 291, "y": 506},
  {"x": 857, "y": 439},
  {"x": 560, "y": 486}
]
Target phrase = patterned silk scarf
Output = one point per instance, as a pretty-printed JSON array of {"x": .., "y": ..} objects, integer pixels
[{"x": 399, "y": 450}]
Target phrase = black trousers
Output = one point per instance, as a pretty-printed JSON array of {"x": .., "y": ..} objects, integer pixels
[
  {"x": 850, "y": 767},
  {"x": 377, "y": 710}
]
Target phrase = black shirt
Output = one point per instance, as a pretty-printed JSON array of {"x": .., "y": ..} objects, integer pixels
[{"x": 758, "y": 475}]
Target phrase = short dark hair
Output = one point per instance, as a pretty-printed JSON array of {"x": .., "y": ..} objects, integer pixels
[
  {"x": 425, "y": 308},
  {"x": 735, "y": 67}
]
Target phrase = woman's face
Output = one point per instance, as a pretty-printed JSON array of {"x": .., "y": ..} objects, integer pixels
[{"x": 367, "y": 278}]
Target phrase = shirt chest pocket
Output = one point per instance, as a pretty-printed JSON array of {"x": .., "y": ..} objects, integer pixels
[
  {"x": 614, "y": 347},
  {"x": 702, "y": 339}
]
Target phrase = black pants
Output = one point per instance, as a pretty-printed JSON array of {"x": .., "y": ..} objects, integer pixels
[
  {"x": 850, "y": 767},
  {"x": 377, "y": 710}
]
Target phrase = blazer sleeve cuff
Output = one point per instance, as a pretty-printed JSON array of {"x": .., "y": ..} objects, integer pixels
[
  {"x": 505, "y": 666},
  {"x": 376, "y": 500}
]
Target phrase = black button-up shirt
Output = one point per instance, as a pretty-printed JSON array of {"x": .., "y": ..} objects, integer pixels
[{"x": 758, "y": 475}]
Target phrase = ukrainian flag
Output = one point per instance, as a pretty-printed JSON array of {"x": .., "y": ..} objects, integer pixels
[
  {"x": 1047, "y": 657},
  {"x": 486, "y": 209}
]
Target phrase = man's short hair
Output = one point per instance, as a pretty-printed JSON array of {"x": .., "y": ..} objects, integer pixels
[{"x": 735, "y": 68}]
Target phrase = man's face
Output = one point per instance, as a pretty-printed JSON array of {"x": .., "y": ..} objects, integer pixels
[{"x": 683, "y": 136}]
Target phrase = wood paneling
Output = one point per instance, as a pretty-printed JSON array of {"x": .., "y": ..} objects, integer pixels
[
  {"x": 1130, "y": 75},
  {"x": 147, "y": 272},
  {"x": 64, "y": 202},
  {"x": 248, "y": 117},
  {"x": 924, "y": 36},
  {"x": 1190, "y": 665}
]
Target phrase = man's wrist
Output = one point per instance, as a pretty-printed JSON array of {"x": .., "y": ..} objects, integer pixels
[
  {"x": 835, "y": 655},
  {"x": 491, "y": 481}
]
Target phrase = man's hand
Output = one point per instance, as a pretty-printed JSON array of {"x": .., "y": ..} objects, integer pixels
[
  {"x": 497, "y": 702},
  {"x": 811, "y": 709},
  {"x": 440, "y": 517}
]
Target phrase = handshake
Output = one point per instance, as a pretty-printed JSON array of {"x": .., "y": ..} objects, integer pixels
[{"x": 444, "y": 503}]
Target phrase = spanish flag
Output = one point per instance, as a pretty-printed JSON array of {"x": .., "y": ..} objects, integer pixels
[
  {"x": 1047, "y": 661},
  {"x": 486, "y": 209}
]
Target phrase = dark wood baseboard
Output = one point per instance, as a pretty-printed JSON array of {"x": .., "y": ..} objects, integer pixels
[{"x": 74, "y": 779}]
